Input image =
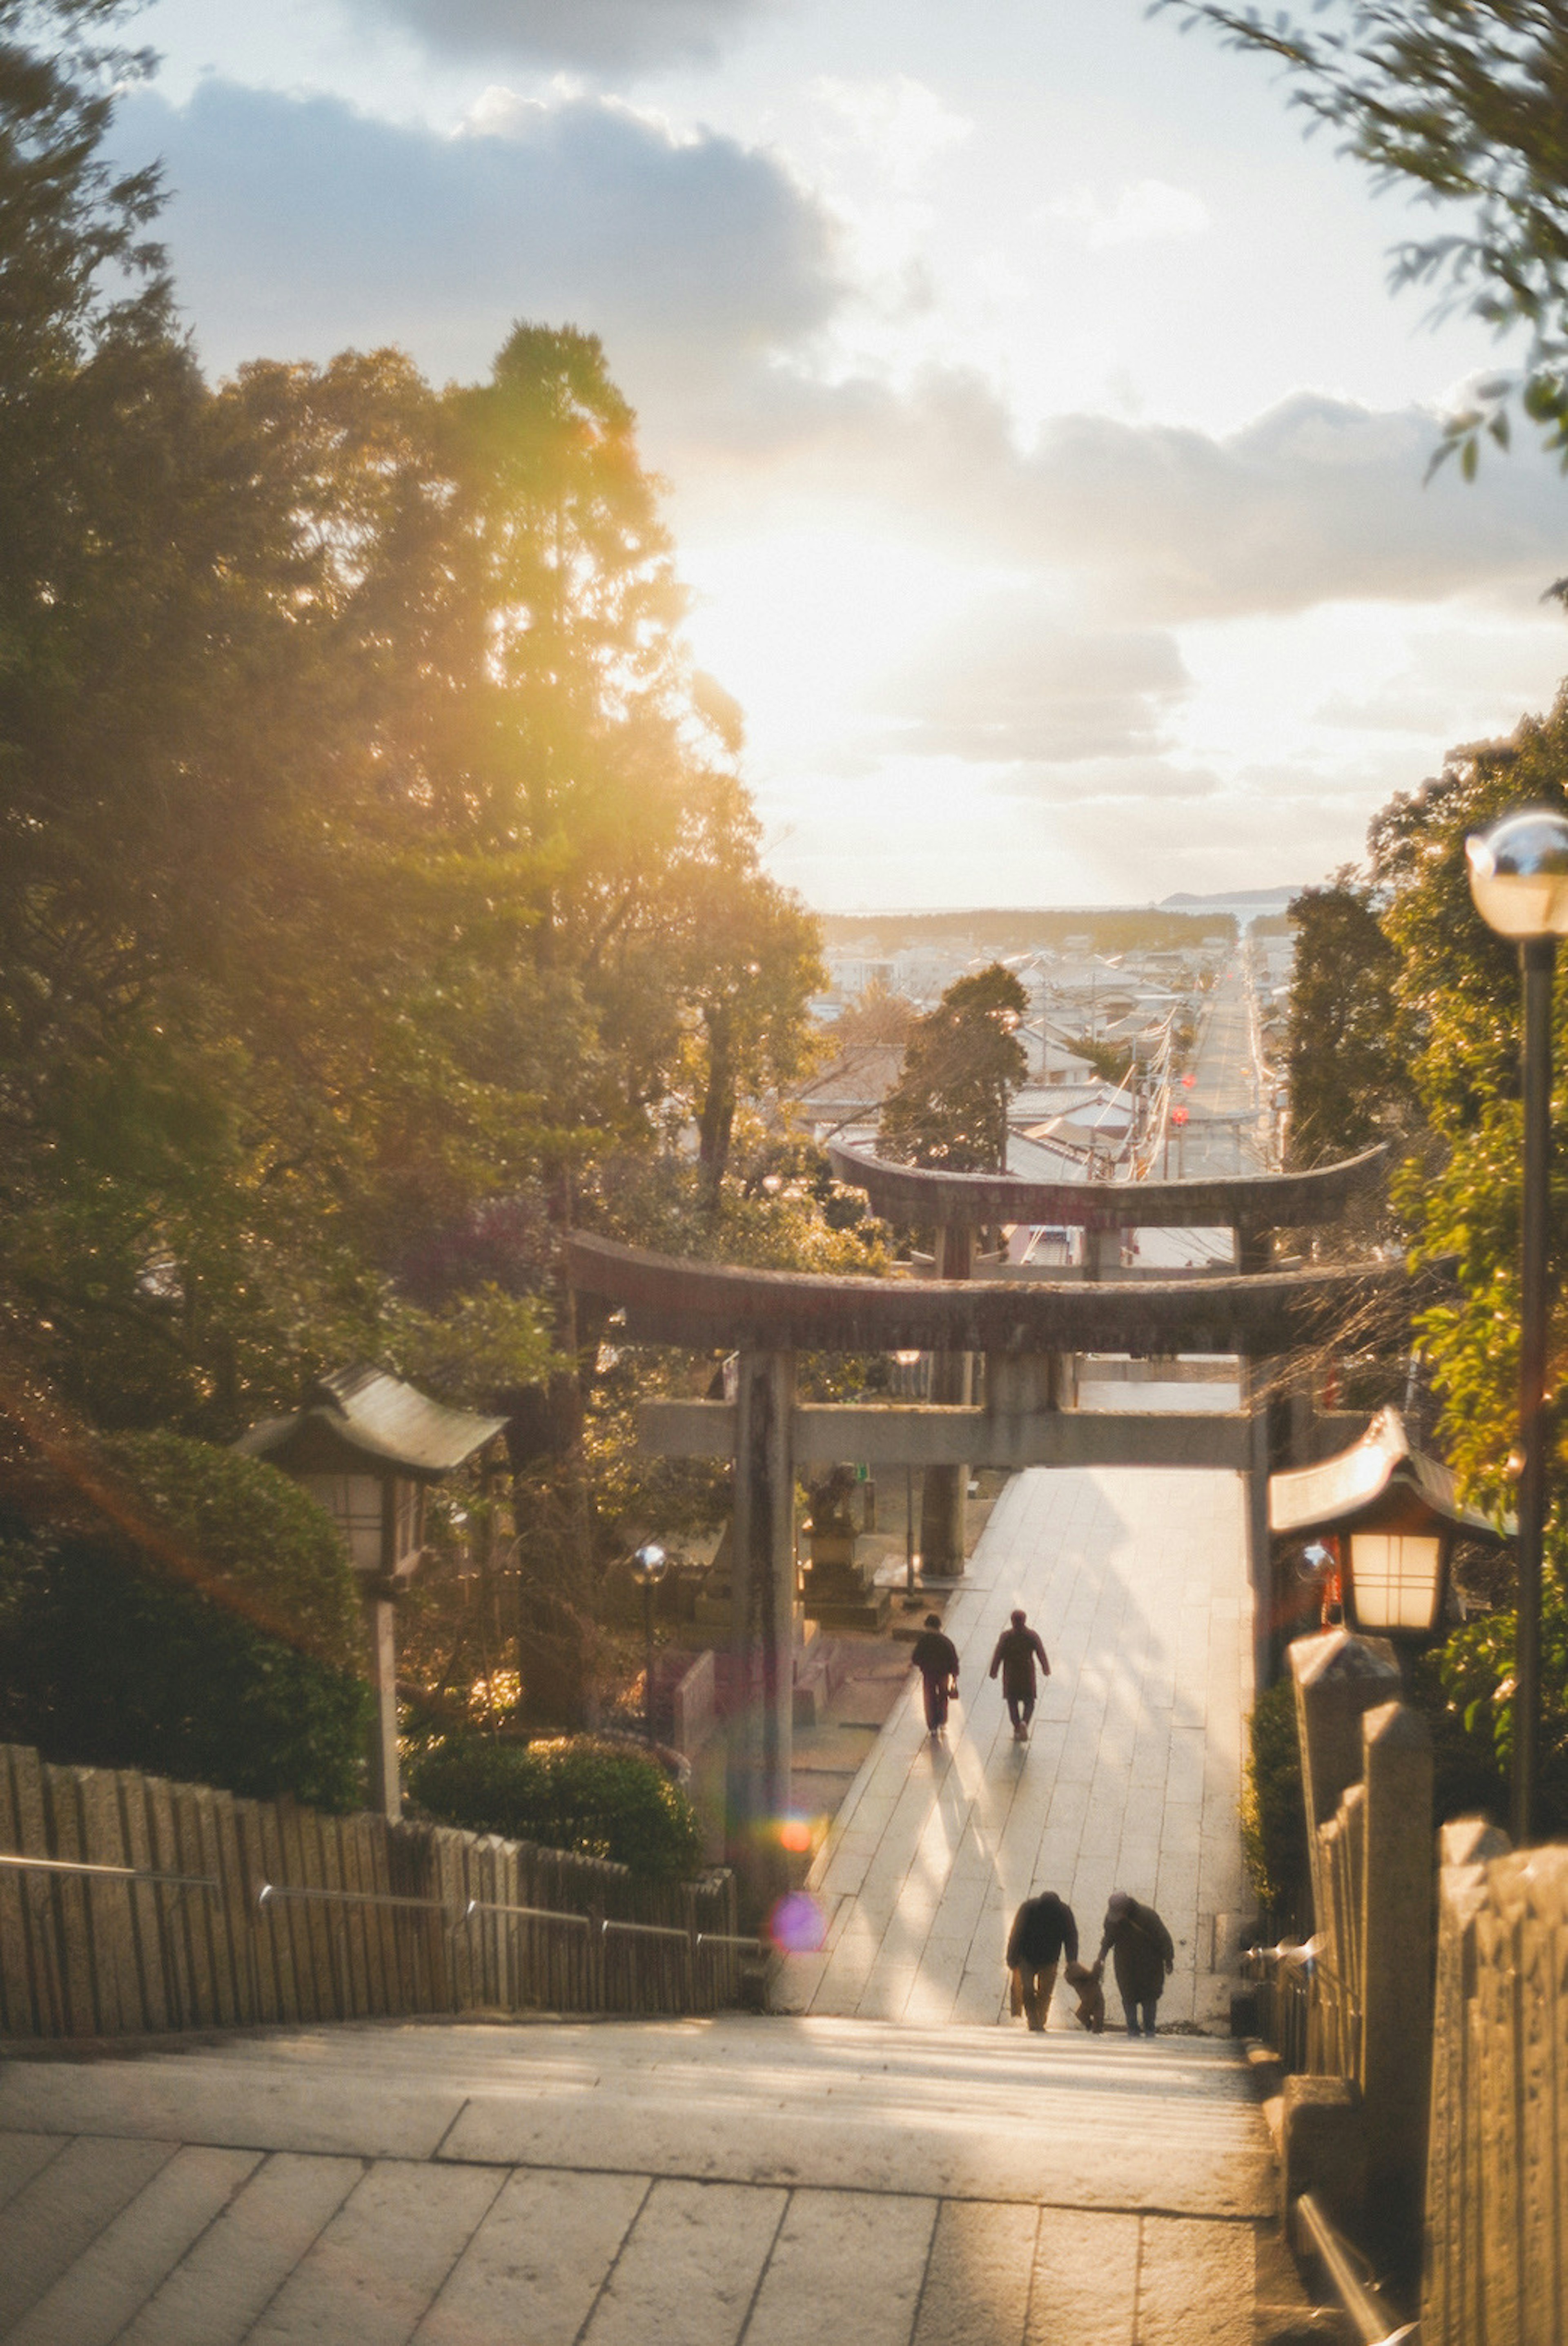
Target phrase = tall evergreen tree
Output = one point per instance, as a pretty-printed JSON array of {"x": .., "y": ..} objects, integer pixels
[{"x": 962, "y": 1063}]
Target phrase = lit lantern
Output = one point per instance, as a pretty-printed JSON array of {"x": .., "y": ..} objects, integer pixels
[
  {"x": 1394, "y": 1515},
  {"x": 366, "y": 1447}
]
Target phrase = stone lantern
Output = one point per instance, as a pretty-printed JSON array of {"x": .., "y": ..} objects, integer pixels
[
  {"x": 367, "y": 1447},
  {"x": 1395, "y": 1518}
]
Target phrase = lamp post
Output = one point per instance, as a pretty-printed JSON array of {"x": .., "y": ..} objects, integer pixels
[
  {"x": 649, "y": 1568},
  {"x": 1519, "y": 879}
]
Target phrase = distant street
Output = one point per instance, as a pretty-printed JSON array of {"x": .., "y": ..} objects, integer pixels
[{"x": 1227, "y": 1132}]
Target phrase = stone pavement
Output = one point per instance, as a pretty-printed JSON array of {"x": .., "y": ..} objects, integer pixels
[
  {"x": 731, "y": 2182},
  {"x": 1136, "y": 1579}
]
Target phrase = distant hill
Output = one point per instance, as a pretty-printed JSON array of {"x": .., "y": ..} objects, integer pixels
[
  {"x": 1261, "y": 899},
  {"x": 1111, "y": 929}
]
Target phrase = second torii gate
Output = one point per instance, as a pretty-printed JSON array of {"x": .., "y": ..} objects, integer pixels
[{"x": 1019, "y": 1326}]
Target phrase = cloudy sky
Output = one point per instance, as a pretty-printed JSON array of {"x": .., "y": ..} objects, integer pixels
[{"x": 1044, "y": 450}]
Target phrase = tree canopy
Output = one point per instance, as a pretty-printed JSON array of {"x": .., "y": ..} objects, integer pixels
[
  {"x": 376, "y": 870},
  {"x": 1345, "y": 1072},
  {"x": 1466, "y": 101},
  {"x": 962, "y": 1063},
  {"x": 380, "y": 891}
]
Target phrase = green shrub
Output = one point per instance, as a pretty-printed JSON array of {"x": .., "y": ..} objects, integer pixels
[
  {"x": 213, "y": 1637},
  {"x": 598, "y": 1798},
  {"x": 1273, "y": 1813}
]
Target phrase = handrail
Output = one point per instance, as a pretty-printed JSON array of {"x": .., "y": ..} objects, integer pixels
[
  {"x": 271, "y": 1890},
  {"x": 613, "y": 1922},
  {"x": 109, "y": 1873},
  {"x": 1372, "y": 2317},
  {"x": 534, "y": 1914}
]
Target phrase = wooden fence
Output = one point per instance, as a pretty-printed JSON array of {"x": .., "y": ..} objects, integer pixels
[
  {"x": 213, "y": 1912},
  {"x": 1496, "y": 2268}
]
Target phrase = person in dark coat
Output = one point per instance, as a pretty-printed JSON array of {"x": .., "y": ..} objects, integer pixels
[
  {"x": 1041, "y": 1928},
  {"x": 1141, "y": 1957},
  {"x": 936, "y": 1658},
  {"x": 1017, "y": 1651}
]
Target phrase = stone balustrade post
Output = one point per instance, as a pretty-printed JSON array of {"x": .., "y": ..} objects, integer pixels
[
  {"x": 1396, "y": 1962},
  {"x": 1337, "y": 1678}
]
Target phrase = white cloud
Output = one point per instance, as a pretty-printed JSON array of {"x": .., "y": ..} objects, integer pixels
[
  {"x": 1010, "y": 681},
  {"x": 297, "y": 226},
  {"x": 599, "y": 35},
  {"x": 900, "y": 125},
  {"x": 1149, "y": 211}
]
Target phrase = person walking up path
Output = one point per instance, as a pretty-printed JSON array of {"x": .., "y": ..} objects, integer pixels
[
  {"x": 936, "y": 1658},
  {"x": 1141, "y": 1957},
  {"x": 1017, "y": 1650},
  {"x": 1131, "y": 1774},
  {"x": 1041, "y": 1928}
]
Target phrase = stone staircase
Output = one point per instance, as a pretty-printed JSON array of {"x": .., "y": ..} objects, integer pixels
[{"x": 731, "y": 2182}]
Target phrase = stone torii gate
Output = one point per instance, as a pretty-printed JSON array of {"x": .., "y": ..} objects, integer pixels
[
  {"x": 958, "y": 1205},
  {"x": 1021, "y": 1326}
]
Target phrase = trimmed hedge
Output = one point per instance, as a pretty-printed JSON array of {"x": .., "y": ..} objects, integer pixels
[
  {"x": 1273, "y": 1810},
  {"x": 572, "y": 1792},
  {"x": 214, "y": 1637}
]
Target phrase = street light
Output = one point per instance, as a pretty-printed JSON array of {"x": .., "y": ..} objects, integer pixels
[
  {"x": 648, "y": 1568},
  {"x": 1519, "y": 879}
]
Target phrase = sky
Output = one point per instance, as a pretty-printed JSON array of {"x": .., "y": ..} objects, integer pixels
[{"x": 1044, "y": 450}]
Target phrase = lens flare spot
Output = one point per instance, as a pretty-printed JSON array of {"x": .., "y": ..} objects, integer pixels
[
  {"x": 795, "y": 1833},
  {"x": 798, "y": 1925}
]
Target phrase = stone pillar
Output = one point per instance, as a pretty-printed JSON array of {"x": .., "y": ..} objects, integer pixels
[
  {"x": 1396, "y": 1894},
  {"x": 1338, "y": 1678},
  {"x": 943, "y": 1488},
  {"x": 1023, "y": 1385},
  {"x": 386, "y": 1789},
  {"x": 1252, "y": 1254},
  {"x": 1102, "y": 1252},
  {"x": 763, "y": 1602}
]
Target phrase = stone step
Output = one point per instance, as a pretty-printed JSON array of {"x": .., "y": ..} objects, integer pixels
[{"x": 740, "y": 2182}]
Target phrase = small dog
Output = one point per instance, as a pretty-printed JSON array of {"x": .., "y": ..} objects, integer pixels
[{"x": 1091, "y": 2012}]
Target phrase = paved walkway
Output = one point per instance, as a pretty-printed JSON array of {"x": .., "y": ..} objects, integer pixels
[
  {"x": 734, "y": 2182},
  {"x": 1136, "y": 1581}
]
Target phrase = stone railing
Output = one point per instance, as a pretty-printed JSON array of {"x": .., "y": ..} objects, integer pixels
[
  {"x": 146, "y": 1907},
  {"x": 1354, "y": 2126},
  {"x": 1497, "y": 2193},
  {"x": 1428, "y": 2120}
]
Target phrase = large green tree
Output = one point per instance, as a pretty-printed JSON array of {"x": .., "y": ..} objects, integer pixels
[
  {"x": 962, "y": 1063},
  {"x": 1464, "y": 101},
  {"x": 373, "y": 855},
  {"x": 1346, "y": 1070}
]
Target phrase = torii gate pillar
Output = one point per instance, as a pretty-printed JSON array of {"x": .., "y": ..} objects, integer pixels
[
  {"x": 763, "y": 1599},
  {"x": 944, "y": 1489}
]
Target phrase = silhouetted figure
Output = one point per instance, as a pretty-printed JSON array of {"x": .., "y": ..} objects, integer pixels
[
  {"x": 936, "y": 1658},
  {"x": 1017, "y": 1651},
  {"x": 1141, "y": 1957},
  {"x": 1041, "y": 1928}
]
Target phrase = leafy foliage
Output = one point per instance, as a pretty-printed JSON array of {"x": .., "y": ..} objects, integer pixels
[
  {"x": 598, "y": 1798},
  {"x": 372, "y": 857},
  {"x": 1273, "y": 1813},
  {"x": 1477, "y": 1666},
  {"x": 962, "y": 1063},
  {"x": 1459, "y": 994},
  {"x": 1344, "y": 1053},
  {"x": 212, "y": 1636},
  {"x": 1466, "y": 101}
]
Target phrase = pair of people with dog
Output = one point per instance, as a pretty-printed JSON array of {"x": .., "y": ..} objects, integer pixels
[{"x": 1137, "y": 1940}]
